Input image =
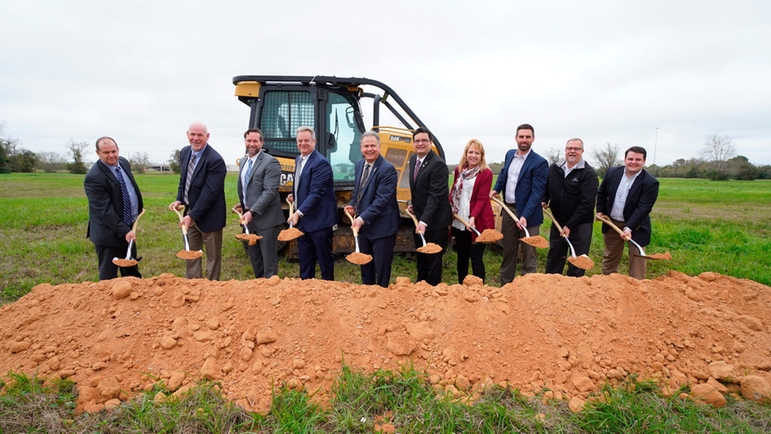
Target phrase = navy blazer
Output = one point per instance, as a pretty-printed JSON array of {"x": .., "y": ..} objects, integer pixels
[
  {"x": 639, "y": 202},
  {"x": 315, "y": 194},
  {"x": 105, "y": 205},
  {"x": 377, "y": 206},
  {"x": 207, "y": 189},
  {"x": 531, "y": 186},
  {"x": 430, "y": 192}
]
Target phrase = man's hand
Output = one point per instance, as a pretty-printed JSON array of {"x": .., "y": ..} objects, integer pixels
[
  {"x": 493, "y": 194},
  {"x": 174, "y": 206},
  {"x": 565, "y": 231},
  {"x": 131, "y": 236},
  {"x": 247, "y": 217},
  {"x": 358, "y": 222},
  {"x": 421, "y": 229},
  {"x": 293, "y": 219},
  {"x": 349, "y": 209},
  {"x": 186, "y": 222},
  {"x": 627, "y": 234},
  {"x": 290, "y": 198},
  {"x": 522, "y": 223}
]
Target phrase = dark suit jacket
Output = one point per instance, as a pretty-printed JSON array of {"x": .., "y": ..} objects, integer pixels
[
  {"x": 315, "y": 194},
  {"x": 105, "y": 205},
  {"x": 207, "y": 189},
  {"x": 430, "y": 192},
  {"x": 377, "y": 206},
  {"x": 262, "y": 191},
  {"x": 479, "y": 206},
  {"x": 638, "y": 205},
  {"x": 531, "y": 185},
  {"x": 572, "y": 199}
]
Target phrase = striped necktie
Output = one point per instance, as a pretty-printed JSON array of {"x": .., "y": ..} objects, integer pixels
[
  {"x": 128, "y": 216},
  {"x": 190, "y": 169}
]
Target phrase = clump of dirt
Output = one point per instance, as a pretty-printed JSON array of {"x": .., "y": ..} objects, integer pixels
[
  {"x": 250, "y": 238},
  {"x": 358, "y": 258},
  {"x": 124, "y": 262},
  {"x": 583, "y": 262},
  {"x": 429, "y": 248},
  {"x": 536, "y": 241},
  {"x": 660, "y": 256},
  {"x": 489, "y": 236},
  {"x": 116, "y": 338},
  {"x": 189, "y": 254},
  {"x": 289, "y": 234}
]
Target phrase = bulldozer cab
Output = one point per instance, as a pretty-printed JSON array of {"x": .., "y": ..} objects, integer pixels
[{"x": 332, "y": 107}]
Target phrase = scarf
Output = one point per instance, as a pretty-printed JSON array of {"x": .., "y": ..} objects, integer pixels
[{"x": 457, "y": 189}]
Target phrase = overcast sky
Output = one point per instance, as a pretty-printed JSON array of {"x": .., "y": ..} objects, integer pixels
[{"x": 658, "y": 74}]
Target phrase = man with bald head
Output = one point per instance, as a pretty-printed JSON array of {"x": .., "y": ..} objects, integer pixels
[{"x": 202, "y": 192}]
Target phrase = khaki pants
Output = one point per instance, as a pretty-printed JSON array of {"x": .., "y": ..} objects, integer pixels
[
  {"x": 213, "y": 243},
  {"x": 614, "y": 249},
  {"x": 511, "y": 242}
]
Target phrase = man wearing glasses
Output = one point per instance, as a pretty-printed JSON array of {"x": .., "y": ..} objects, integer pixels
[{"x": 571, "y": 191}]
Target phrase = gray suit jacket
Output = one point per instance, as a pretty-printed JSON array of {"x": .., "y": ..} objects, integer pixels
[{"x": 262, "y": 191}]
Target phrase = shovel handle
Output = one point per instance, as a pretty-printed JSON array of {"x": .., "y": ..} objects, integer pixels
[
  {"x": 607, "y": 221},
  {"x": 134, "y": 226},
  {"x": 553, "y": 220},
  {"x": 179, "y": 214},
  {"x": 352, "y": 218},
  {"x": 503, "y": 205},
  {"x": 291, "y": 208},
  {"x": 465, "y": 223}
]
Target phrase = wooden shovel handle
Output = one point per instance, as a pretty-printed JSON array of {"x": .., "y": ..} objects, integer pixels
[
  {"x": 413, "y": 217},
  {"x": 503, "y": 205},
  {"x": 465, "y": 223},
  {"x": 551, "y": 216},
  {"x": 607, "y": 221},
  {"x": 179, "y": 214},
  {"x": 351, "y": 218},
  {"x": 134, "y": 226}
]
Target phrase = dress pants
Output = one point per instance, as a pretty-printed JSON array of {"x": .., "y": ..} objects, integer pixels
[
  {"x": 511, "y": 241},
  {"x": 108, "y": 270},
  {"x": 316, "y": 246},
  {"x": 614, "y": 249},
  {"x": 378, "y": 270},
  {"x": 468, "y": 251},
  {"x": 213, "y": 243},
  {"x": 430, "y": 266},
  {"x": 580, "y": 237},
  {"x": 264, "y": 254}
]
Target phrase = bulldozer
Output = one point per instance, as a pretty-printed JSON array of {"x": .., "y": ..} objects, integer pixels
[{"x": 279, "y": 104}]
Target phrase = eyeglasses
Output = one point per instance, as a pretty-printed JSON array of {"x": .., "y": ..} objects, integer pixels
[
  {"x": 422, "y": 140},
  {"x": 574, "y": 149}
]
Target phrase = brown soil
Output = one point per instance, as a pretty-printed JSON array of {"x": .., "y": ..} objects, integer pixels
[
  {"x": 660, "y": 256},
  {"x": 116, "y": 338},
  {"x": 289, "y": 234},
  {"x": 250, "y": 238},
  {"x": 430, "y": 248},
  {"x": 358, "y": 258},
  {"x": 536, "y": 241},
  {"x": 189, "y": 254},
  {"x": 124, "y": 262},
  {"x": 489, "y": 236},
  {"x": 583, "y": 262}
]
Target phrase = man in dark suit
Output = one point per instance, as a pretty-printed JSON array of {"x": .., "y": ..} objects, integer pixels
[
  {"x": 260, "y": 203},
  {"x": 114, "y": 202},
  {"x": 571, "y": 192},
  {"x": 202, "y": 192},
  {"x": 374, "y": 201},
  {"x": 627, "y": 195},
  {"x": 429, "y": 203},
  {"x": 316, "y": 207},
  {"x": 522, "y": 183}
]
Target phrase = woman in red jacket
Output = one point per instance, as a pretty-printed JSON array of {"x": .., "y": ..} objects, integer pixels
[{"x": 470, "y": 200}]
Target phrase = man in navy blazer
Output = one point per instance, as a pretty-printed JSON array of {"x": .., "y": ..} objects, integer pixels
[
  {"x": 627, "y": 195},
  {"x": 429, "y": 177},
  {"x": 522, "y": 183},
  {"x": 109, "y": 222},
  {"x": 260, "y": 203},
  {"x": 316, "y": 207},
  {"x": 374, "y": 201},
  {"x": 202, "y": 192}
]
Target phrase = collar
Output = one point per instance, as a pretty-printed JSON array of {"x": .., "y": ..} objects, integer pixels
[{"x": 580, "y": 165}]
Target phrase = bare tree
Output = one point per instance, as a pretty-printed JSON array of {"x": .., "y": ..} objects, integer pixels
[
  {"x": 606, "y": 158},
  {"x": 139, "y": 161},
  {"x": 50, "y": 162},
  {"x": 717, "y": 151},
  {"x": 174, "y": 161},
  {"x": 554, "y": 155},
  {"x": 77, "y": 166}
]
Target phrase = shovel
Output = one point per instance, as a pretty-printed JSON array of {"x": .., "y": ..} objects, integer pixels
[
  {"x": 187, "y": 253},
  {"x": 129, "y": 262},
  {"x": 658, "y": 256},
  {"x": 246, "y": 236},
  {"x": 486, "y": 237},
  {"x": 536, "y": 241},
  {"x": 356, "y": 257},
  {"x": 292, "y": 233},
  {"x": 583, "y": 262},
  {"x": 428, "y": 248}
]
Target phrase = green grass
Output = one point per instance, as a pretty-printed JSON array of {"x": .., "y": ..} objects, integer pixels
[{"x": 360, "y": 402}]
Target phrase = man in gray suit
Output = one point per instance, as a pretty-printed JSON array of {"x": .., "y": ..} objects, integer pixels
[{"x": 258, "y": 181}]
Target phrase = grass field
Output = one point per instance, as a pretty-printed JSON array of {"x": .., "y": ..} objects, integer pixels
[{"x": 707, "y": 226}]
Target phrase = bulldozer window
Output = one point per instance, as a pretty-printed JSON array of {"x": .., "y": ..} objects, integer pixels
[
  {"x": 282, "y": 113},
  {"x": 343, "y": 146}
]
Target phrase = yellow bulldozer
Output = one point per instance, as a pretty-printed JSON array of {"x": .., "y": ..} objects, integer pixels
[{"x": 279, "y": 104}]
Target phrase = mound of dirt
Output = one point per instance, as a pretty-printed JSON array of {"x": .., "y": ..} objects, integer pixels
[{"x": 117, "y": 338}]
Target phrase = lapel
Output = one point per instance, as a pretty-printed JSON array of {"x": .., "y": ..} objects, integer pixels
[
  {"x": 525, "y": 165},
  {"x": 256, "y": 164},
  {"x": 108, "y": 173},
  {"x": 422, "y": 165},
  {"x": 199, "y": 163},
  {"x": 372, "y": 172}
]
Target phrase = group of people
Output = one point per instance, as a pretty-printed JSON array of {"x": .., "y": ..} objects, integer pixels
[{"x": 526, "y": 185}]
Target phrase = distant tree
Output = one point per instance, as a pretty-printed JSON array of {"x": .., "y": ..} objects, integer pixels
[
  {"x": 78, "y": 166},
  {"x": 495, "y": 167},
  {"x": 7, "y": 150},
  {"x": 139, "y": 162},
  {"x": 717, "y": 150},
  {"x": 764, "y": 172},
  {"x": 606, "y": 158},
  {"x": 50, "y": 162},
  {"x": 174, "y": 161},
  {"x": 24, "y": 161},
  {"x": 554, "y": 155},
  {"x": 740, "y": 168}
]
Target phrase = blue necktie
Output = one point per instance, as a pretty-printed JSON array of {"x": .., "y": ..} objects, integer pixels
[
  {"x": 127, "y": 214},
  {"x": 248, "y": 172}
]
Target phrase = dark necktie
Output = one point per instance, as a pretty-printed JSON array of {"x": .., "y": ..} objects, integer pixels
[
  {"x": 417, "y": 169},
  {"x": 190, "y": 168},
  {"x": 362, "y": 184},
  {"x": 128, "y": 216}
]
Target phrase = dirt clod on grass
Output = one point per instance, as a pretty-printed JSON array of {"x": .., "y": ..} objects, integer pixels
[
  {"x": 120, "y": 337},
  {"x": 660, "y": 256}
]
